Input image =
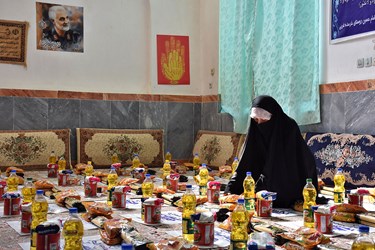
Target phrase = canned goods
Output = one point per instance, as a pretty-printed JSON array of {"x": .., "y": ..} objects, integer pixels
[
  {"x": 152, "y": 210},
  {"x": 12, "y": 206},
  {"x": 52, "y": 170},
  {"x": 204, "y": 233}
]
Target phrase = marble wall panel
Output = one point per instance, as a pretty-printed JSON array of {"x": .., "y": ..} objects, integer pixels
[
  {"x": 197, "y": 118},
  {"x": 6, "y": 113},
  {"x": 95, "y": 114},
  {"x": 336, "y": 114},
  {"x": 30, "y": 113},
  {"x": 360, "y": 112},
  {"x": 180, "y": 130},
  {"x": 125, "y": 114},
  {"x": 153, "y": 115},
  {"x": 211, "y": 119},
  {"x": 63, "y": 113},
  {"x": 226, "y": 122}
]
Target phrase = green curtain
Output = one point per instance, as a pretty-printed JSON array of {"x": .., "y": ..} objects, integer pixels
[
  {"x": 284, "y": 58},
  {"x": 235, "y": 63}
]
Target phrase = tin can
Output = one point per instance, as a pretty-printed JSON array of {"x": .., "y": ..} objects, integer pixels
[
  {"x": 172, "y": 182},
  {"x": 1, "y": 192},
  {"x": 47, "y": 237},
  {"x": 118, "y": 200},
  {"x": 52, "y": 170},
  {"x": 355, "y": 199},
  {"x": 213, "y": 195},
  {"x": 204, "y": 233},
  {"x": 139, "y": 173},
  {"x": 12, "y": 206},
  {"x": 264, "y": 208},
  {"x": 90, "y": 186},
  {"x": 323, "y": 222},
  {"x": 152, "y": 210},
  {"x": 62, "y": 179},
  {"x": 25, "y": 222}
]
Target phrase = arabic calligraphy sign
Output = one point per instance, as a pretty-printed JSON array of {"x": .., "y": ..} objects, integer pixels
[
  {"x": 351, "y": 19},
  {"x": 13, "y": 37}
]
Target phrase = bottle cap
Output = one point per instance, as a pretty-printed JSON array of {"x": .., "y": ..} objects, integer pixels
[
  {"x": 241, "y": 201},
  {"x": 73, "y": 210},
  {"x": 236, "y": 158},
  {"x": 308, "y": 180},
  {"x": 204, "y": 165},
  {"x": 363, "y": 229},
  {"x": 125, "y": 246},
  {"x": 189, "y": 186},
  {"x": 147, "y": 175},
  {"x": 13, "y": 171},
  {"x": 113, "y": 168},
  {"x": 29, "y": 179},
  {"x": 314, "y": 208},
  {"x": 339, "y": 170},
  {"x": 248, "y": 173},
  {"x": 39, "y": 191}
]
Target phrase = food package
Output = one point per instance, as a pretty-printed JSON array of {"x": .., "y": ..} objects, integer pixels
[
  {"x": 113, "y": 227},
  {"x": 43, "y": 184},
  {"x": 174, "y": 243},
  {"x": 97, "y": 221},
  {"x": 127, "y": 181},
  {"x": 231, "y": 198},
  {"x": 130, "y": 235},
  {"x": 107, "y": 240},
  {"x": 350, "y": 208},
  {"x": 61, "y": 196},
  {"x": 163, "y": 190},
  {"x": 343, "y": 216},
  {"x": 19, "y": 171},
  {"x": 181, "y": 169},
  {"x": 80, "y": 168},
  {"x": 73, "y": 202},
  {"x": 306, "y": 237},
  {"x": 99, "y": 208}
]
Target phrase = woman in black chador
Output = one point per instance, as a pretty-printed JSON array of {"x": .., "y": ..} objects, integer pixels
[{"x": 275, "y": 153}]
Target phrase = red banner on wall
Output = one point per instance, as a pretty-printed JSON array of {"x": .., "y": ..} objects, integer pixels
[{"x": 173, "y": 59}]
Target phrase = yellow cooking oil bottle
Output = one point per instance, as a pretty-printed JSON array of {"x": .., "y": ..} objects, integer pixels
[
  {"x": 73, "y": 231},
  {"x": 112, "y": 182},
  {"x": 136, "y": 162},
  {"x": 61, "y": 163},
  {"x": 52, "y": 157},
  {"x": 196, "y": 163},
  {"x": 89, "y": 170},
  {"x": 12, "y": 181},
  {"x": 189, "y": 203},
  {"x": 363, "y": 241},
  {"x": 235, "y": 164},
  {"x": 203, "y": 179},
  {"x": 28, "y": 190},
  {"x": 147, "y": 191},
  {"x": 249, "y": 192},
  {"x": 309, "y": 197},
  {"x": 168, "y": 156},
  {"x": 240, "y": 220},
  {"x": 39, "y": 209},
  {"x": 166, "y": 172},
  {"x": 339, "y": 189},
  {"x": 114, "y": 158}
]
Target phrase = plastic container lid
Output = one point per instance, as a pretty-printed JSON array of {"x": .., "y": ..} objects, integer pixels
[{"x": 73, "y": 210}]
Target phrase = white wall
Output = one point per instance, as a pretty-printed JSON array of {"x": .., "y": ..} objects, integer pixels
[
  {"x": 340, "y": 60},
  {"x": 119, "y": 47}
]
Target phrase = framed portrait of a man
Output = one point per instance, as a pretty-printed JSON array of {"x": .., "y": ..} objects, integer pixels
[{"x": 59, "y": 27}]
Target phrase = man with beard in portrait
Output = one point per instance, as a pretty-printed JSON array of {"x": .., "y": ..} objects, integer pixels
[{"x": 61, "y": 36}]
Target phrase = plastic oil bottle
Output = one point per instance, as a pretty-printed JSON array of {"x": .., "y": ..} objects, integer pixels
[
  {"x": 52, "y": 157},
  {"x": 249, "y": 192},
  {"x": 114, "y": 158},
  {"x": 12, "y": 181},
  {"x": 339, "y": 189},
  {"x": 235, "y": 164},
  {"x": 136, "y": 161},
  {"x": 62, "y": 163},
  {"x": 39, "y": 209},
  {"x": 89, "y": 170},
  {"x": 363, "y": 240},
  {"x": 28, "y": 191},
  {"x": 168, "y": 156},
  {"x": 309, "y": 197},
  {"x": 196, "y": 163},
  {"x": 166, "y": 172},
  {"x": 189, "y": 203},
  {"x": 112, "y": 182},
  {"x": 203, "y": 180},
  {"x": 73, "y": 231},
  {"x": 147, "y": 190},
  {"x": 240, "y": 220}
]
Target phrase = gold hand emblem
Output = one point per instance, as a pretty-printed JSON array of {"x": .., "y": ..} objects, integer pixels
[{"x": 173, "y": 60}]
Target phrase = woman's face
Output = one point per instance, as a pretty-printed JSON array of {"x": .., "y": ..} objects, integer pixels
[{"x": 260, "y": 120}]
